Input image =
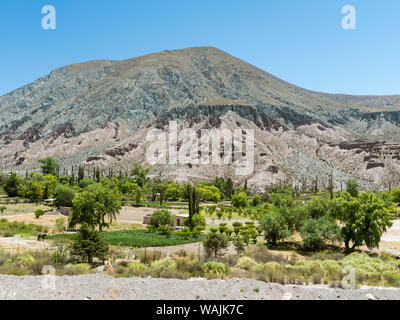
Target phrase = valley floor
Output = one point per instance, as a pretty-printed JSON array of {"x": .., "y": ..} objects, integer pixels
[{"x": 101, "y": 287}]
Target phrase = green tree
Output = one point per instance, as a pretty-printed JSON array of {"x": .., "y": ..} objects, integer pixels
[
  {"x": 2, "y": 209},
  {"x": 174, "y": 192},
  {"x": 85, "y": 182},
  {"x": 95, "y": 204},
  {"x": 396, "y": 195},
  {"x": 161, "y": 189},
  {"x": 89, "y": 244},
  {"x": 364, "y": 219},
  {"x": 214, "y": 243},
  {"x": 274, "y": 226},
  {"x": 256, "y": 200},
  {"x": 140, "y": 174},
  {"x": 314, "y": 232},
  {"x": 317, "y": 207},
  {"x": 352, "y": 187},
  {"x": 229, "y": 189},
  {"x": 34, "y": 190},
  {"x": 240, "y": 200},
  {"x": 81, "y": 173},
  {"x": 12, "y": 185},
  {"x": 63, "y": 195},
  {"x": 209, "y": 193},
  {"x": 49, "y": 166}
]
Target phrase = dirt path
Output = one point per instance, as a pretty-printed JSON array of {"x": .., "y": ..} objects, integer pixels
[{"x": 19, "y": 244}]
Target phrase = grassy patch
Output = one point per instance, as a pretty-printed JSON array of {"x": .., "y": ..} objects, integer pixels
[
  {"x": 10, "y": 229},
  {"x": 156, "y": 204},
  {"x": 138, "y": 238}
]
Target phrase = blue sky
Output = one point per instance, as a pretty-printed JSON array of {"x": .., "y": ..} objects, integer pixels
[{"x": 300, "y": 41}]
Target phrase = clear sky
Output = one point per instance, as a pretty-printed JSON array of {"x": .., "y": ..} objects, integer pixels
[{"x": 300, "y": 41}]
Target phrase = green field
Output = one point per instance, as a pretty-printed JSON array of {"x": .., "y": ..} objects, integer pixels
[
  {"x": 137, "y": 238},
  {"x": 156, "y": 204}
]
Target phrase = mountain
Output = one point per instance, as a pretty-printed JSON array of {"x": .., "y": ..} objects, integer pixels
[{"x": 99, "y": 113}]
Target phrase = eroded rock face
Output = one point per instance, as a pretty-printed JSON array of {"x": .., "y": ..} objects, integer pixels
[{"x": 99, "y": 113}]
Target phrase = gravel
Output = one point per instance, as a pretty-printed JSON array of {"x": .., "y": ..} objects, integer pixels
[{"x": 101, "y": 287}]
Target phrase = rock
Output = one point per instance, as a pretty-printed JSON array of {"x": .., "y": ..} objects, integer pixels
[
  {"x": 100, "y": 269},
  {"x": 370, "y": 296},
  {"x": 287, "y": 296}
]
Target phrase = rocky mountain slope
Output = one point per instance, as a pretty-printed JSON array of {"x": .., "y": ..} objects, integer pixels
[{"x": 99, "y": 114}]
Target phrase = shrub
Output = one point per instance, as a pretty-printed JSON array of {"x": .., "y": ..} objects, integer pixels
[
  {"x": 164, "y": 230},
  {"x": 352, "y": 187},
  {"x": 197, "y": 221},
  {"x": 185, "y": 233},
  {"x": 162, "y": 217},
  {"x": 215, "y": 242},
  {"x": 246, "y": 263},
  {"x": 2, "y": 209},
  {"x": 148, "y": 256},
  {"x": 274, "y": 226},
  {"x": 38, "y": 213},
  {"x": 60, "y": 225},
  {"x": 256, "y": 200},
  {"x": 25, "y": 260},
  {"x": 137, "y": 268},
  {"x": 12, "y": 185},
  {"x": 271, "y": 267},
  {"x": 215, "y": 268},
  {"x": 77, "y": 269},
  {"x": 315, "y": 231},
  {"x": 240, "y": 200},
  {"x": 317, "y": 207},
  {"x": 63, "y": 196},
  {"x": 396, "y": 195},
  {"x": 84, "y": 183},
  {"x": 163, "y": 266}
]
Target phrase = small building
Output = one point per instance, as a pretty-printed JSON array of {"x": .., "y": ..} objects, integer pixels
[{"x": 179, "y": 219}]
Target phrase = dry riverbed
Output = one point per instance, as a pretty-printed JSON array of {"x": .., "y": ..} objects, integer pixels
[{"x": 101, "y": 287}]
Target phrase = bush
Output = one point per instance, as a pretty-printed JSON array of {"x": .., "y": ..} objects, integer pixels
[
  {"x": 84, "y": 183},
  {"x": 12, "y": 185},
  {"x": 240, "y": 200},
  {"x": 246, "y": 263},
  {"x": 137, "y": 268},
  {"x": 197, "y": 221},
  {"x": 315, "y": 232},
  {"x": 396, "y": 195},
  {"x": 274, "y": 226},
  {"x": 164, "y": 230},
  {"x": 162, "y": 217},
  {"x": 77, "y": 269},
  {"x": 63, "y": 196},
  {"x": 163, "y": 266},
  {"x": 215, "y": 268},
  {"x": 317, "y": 207},
  {"x": 352, "y": 187},
  {"x": 215, "y": 242},
  {"x": 60, "y": 225},
  {"x": 38, "y": 213},
  {"x": 256, "y": 200}
]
